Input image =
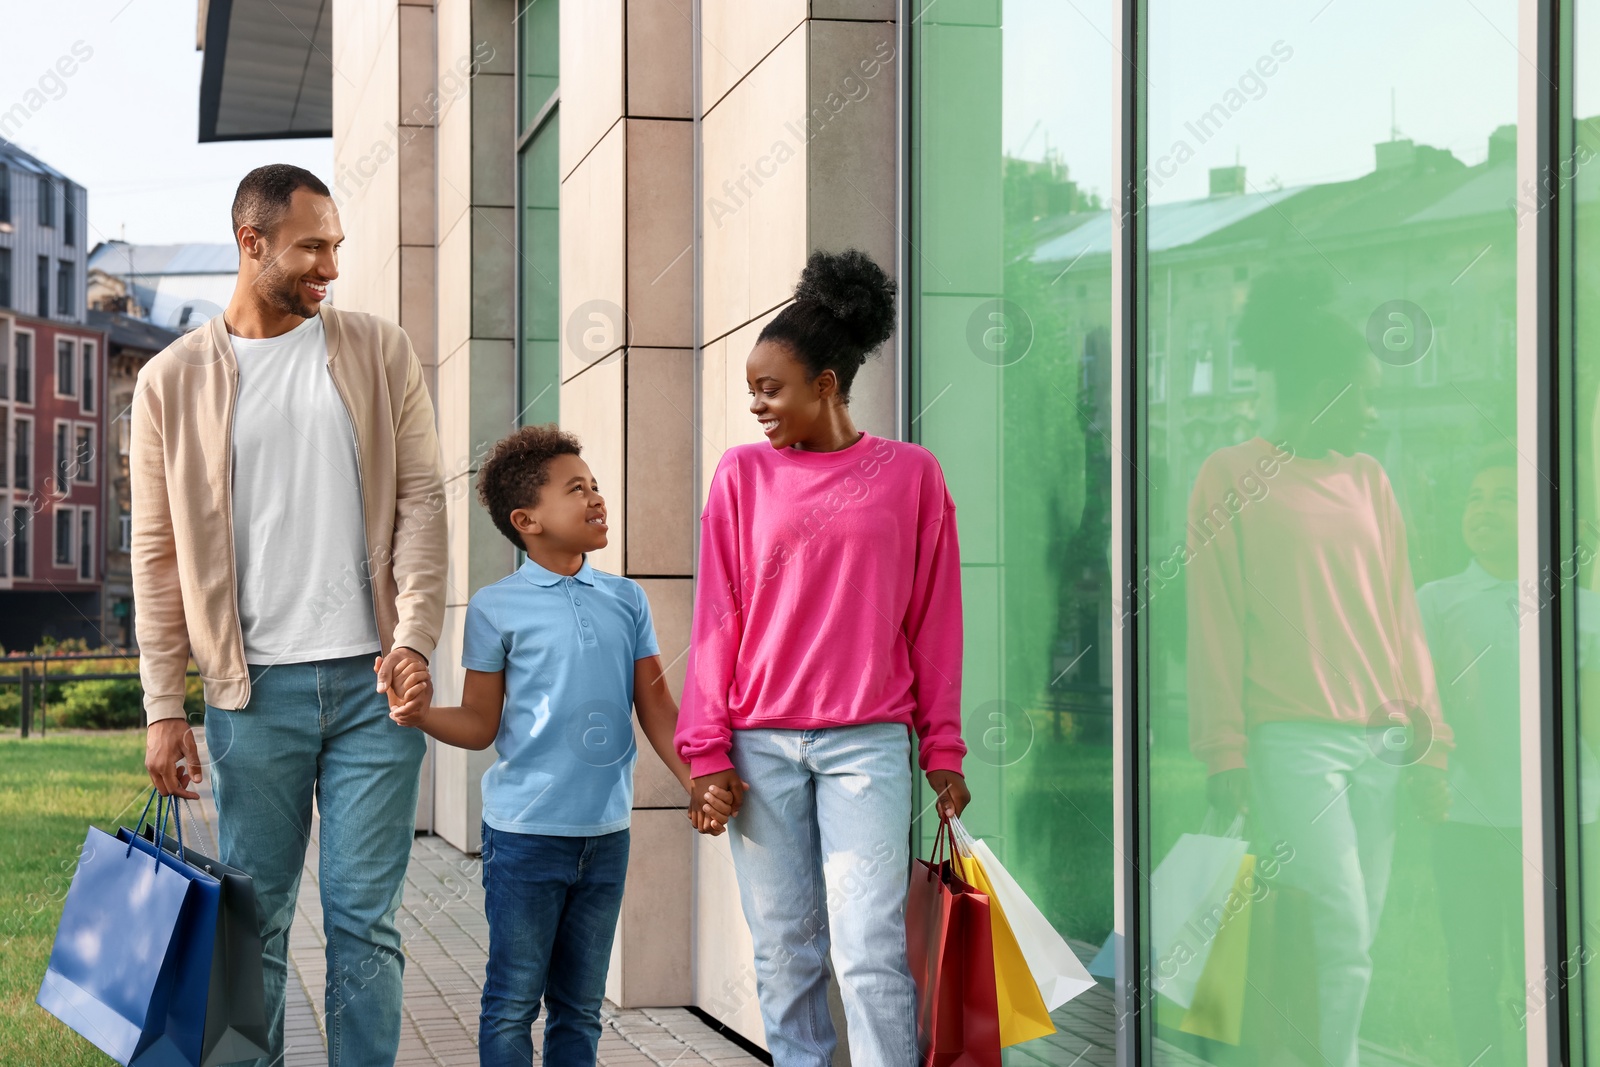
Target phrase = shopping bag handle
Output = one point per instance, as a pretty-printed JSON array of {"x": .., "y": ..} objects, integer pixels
[
  {"x": 941, "y": 841},
  {"x": 165, "y": 807}
]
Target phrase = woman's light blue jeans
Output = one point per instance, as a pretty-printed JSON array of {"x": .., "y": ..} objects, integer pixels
[
  {"x": 321, "y": 729},
  {"x": 822, "y": 848}
]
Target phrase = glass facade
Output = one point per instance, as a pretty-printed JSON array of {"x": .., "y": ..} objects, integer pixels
[
  {"x": 1008, "y": 279},
  {"x": 538, "y": 195},
  {"x": 1328, "y": 498}
]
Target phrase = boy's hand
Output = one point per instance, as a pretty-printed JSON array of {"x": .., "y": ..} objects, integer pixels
[
  {"x": 410, "y": 689},
  {"x": 707, "y": 825},
  {"x": 952, "y": 790}
]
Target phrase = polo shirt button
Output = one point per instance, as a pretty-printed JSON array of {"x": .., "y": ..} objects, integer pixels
[
  {"x": 586, "y": 622},
  {"x": 575, "y": 600}
]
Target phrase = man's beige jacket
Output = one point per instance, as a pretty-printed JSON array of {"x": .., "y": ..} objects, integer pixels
[{"x": 184, "y": 583}]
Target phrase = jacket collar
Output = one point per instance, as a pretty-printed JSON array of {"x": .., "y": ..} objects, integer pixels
[{"x": 539, "y": 576}]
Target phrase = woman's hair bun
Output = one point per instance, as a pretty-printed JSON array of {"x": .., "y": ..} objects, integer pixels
[{"x": 855, "y": 290}]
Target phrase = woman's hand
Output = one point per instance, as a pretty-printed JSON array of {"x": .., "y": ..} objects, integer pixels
[
  {"x": 952, "y": 790},
  {"x": 1229, "y": 792},
  {"x": 714, "y": 799}
]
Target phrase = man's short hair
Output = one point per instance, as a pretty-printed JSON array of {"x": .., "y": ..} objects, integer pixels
[
  {"x": 517, "y": 468},
  {"x": 263, "y": 196}
]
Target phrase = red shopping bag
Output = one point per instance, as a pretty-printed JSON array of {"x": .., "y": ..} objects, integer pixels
[{"x": 951, "y": 952}]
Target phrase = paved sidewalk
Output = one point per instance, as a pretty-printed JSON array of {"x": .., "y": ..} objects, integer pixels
[{"x": 446, "y": 942}]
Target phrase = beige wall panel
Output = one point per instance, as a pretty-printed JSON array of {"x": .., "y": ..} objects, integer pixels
[
  {"x": 592, "y": 408},
  {"x": 594, "y": 254},
  {"x": 661, "y": 439},
  {"x": 591, "y": 75},
  {"x": 738, "y": 34},
  {"x": 660, "y": 58},
  {"x": 660, "y": 219}
]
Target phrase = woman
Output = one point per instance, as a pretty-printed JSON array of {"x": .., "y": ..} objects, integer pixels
[
  {"x": 827, "y": 624},
  {"x": 1309, "y": 680}
]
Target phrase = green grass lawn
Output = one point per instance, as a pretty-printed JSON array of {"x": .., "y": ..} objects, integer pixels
[{"x": 51, "y": 790}]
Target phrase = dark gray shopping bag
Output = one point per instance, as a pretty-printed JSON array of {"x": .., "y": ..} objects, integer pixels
[{"x": 236, "y": 1009}]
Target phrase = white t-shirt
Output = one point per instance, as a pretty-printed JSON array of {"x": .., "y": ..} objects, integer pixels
[{"x": 298, "y": 536}]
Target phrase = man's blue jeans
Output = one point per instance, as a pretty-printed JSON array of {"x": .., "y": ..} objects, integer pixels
[
  {"x": 552, "y": 904},
  {"x": 822, "y": 848},
  {"x": 320, "y": 729}
]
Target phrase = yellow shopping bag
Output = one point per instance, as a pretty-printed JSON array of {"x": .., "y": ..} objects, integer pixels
[
  {"x": 1218, "y": 1005},
  {"x": 1023, "y": 1015}
]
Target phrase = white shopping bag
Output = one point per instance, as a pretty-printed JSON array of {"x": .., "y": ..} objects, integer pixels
[
  {"x": 1188, "y": 898},
  {"x": 1051, "y": 961}
]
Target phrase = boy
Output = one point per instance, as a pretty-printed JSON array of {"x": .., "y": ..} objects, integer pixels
[{"x": 555, "y": 655}]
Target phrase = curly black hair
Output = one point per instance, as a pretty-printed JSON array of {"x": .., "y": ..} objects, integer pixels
[
  {"x": 516, "y": 468},
  {"x": 843, "y": 310}
]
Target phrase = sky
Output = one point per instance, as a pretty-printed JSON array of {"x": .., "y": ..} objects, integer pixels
[{"x": 125, "y": 125}]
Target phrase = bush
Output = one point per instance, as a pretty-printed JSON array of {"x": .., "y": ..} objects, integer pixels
[{"x": 92, "y": 704}]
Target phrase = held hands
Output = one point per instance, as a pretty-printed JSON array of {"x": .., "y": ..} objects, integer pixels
[
  {"x": 403, "y": 675},
  {"x": 714, "y": 799},
  {"x": 952, "y": 791},
  {"x": 1229, "y": 792}
]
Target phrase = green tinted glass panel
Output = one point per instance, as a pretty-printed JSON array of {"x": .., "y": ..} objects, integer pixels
[
  {"x": 1009, "y": 282},
  {"x": 1330, "y": 560},
  {"x": 539, "y": 40},
  {"x": 1576, "y": 192},
  {"x": 540, "y": 250}
]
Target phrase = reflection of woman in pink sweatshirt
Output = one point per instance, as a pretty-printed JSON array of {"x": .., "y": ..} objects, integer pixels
[
  {"x": 827, "y": 627},
  {"x": 1309, "y": 680}
]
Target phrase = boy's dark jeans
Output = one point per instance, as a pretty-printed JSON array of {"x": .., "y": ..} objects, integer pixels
[{"x": 552, "y": 904}]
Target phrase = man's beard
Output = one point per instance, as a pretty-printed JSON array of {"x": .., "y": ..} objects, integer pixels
[{"x": 283, "y": 292}]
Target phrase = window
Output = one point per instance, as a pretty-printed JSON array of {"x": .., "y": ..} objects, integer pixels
[
  {"x": 90, "y": 374},
  {"x": 65, "y": 537},
  {"x": 69, "y": 216},
  {"x": 5, "y": 277},
  {"x": 64, "y": 288},
  {"x": 47, "y": 201},
  {"x": 63, "y": 459},
  {"x": 24, "y": 353},
  {"x": 124, "y": 532},
  {"x": 86, "y": 543},
  {"x": 124, "y": 433},
  {"x": 83, "y": 460},
  {"x": 538, "y": 194},
  {"x": 22, "y": 454},
  {"x": 5, "y": 193},
  {"x": 41, "y": 303},
  {"x": 1021, "y": 432},
  {"x": 20, "y": 566},
  {"x": 66, "y": 367},
  {"x": 1254, "y": 566}
]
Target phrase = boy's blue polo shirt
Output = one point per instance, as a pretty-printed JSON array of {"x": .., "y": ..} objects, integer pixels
[{"x": 565, "y": 747}]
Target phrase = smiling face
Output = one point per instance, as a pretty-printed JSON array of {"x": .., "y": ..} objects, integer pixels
[
  {"x": 1489, "y": 524},
  {"x": 788, "y": 406},
  {"x": 297, "y": 260},
  {"x": 571, "y": 514}
]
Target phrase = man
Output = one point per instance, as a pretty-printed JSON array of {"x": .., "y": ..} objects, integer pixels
[{"x": 288, "y": 524}]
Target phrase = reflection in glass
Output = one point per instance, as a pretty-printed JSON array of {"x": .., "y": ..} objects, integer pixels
[{"x": 1328, "y": 358}]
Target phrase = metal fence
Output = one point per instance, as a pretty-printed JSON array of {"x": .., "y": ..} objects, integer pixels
[{"x": 34, "y": 676}]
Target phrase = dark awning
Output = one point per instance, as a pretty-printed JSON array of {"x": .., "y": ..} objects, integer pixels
[{"x": 268, "y": 69}]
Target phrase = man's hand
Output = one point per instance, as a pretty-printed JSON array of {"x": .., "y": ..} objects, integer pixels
[
  {"x": 398, "y": 673},
  {"x": 952, "y": 790},
  {"x": 1430, "y": 792},
  {"x": 166, "y": 741},
  {"x": 714, "y": 799},
  {"x": 1229, "y": 792}
]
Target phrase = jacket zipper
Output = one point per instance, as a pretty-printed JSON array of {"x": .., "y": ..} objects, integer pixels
[
  {"x": 361, "y": 494},
  {"x": 233, "y": 545}
]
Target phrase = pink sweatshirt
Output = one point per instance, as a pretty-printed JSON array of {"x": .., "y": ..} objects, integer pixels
[
  {"x": 828, "y": 594},
  {"x": 1300, "y": 601}
]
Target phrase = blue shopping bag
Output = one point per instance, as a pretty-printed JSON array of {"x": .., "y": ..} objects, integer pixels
[{"x": 134, "y": 930}]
